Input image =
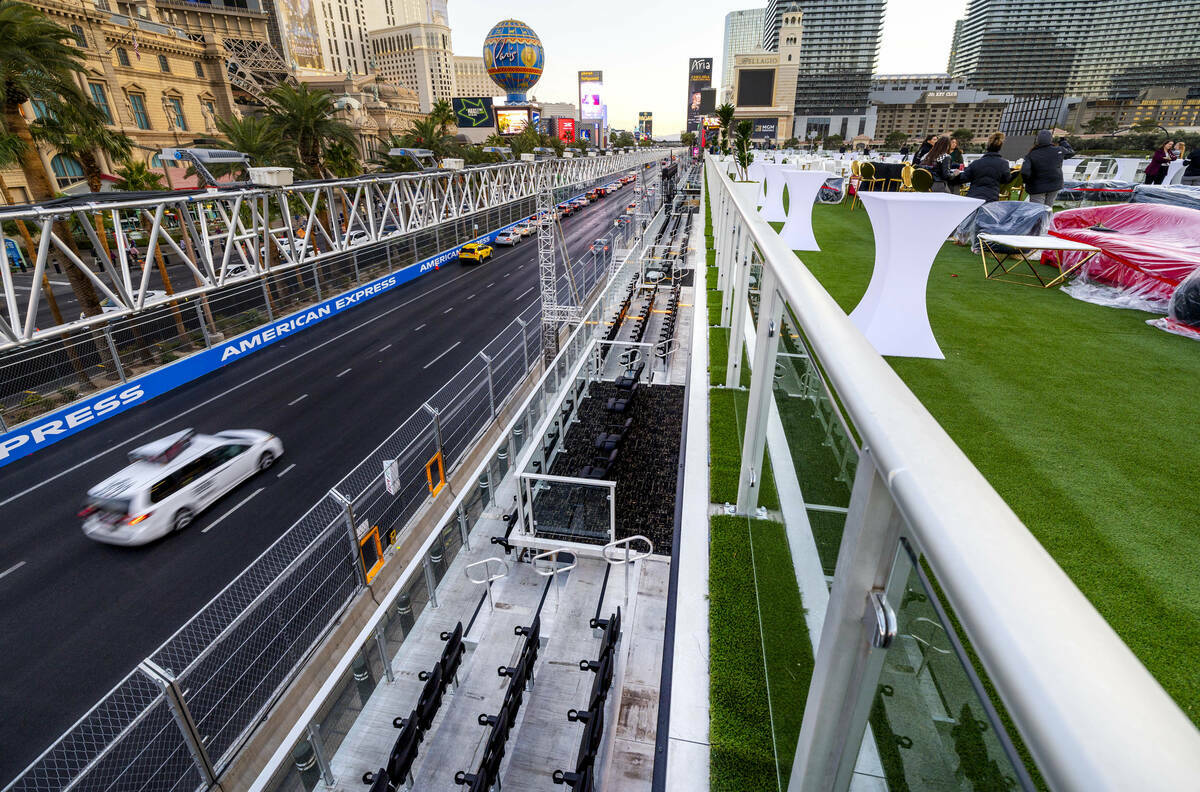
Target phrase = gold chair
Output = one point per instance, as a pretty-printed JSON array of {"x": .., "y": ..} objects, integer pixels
[
  {"x": 867, "y": 180},
  {"x": 1015, "y": 190},
  {"x": 905, "y": 180},
  {"x": 922, "y": 180}
]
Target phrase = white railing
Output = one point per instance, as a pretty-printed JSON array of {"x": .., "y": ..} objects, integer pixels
[{"x": 1090, "y": 713}]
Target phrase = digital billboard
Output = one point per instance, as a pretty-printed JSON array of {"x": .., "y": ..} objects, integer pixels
[
  {"x": 511, "y": 120},
  {"x": 755, "y": 88},
  {"x": 298, "y": 29},
  {"x": 646, "y": 123},
  {"x": 471, "y": 113},
  {"x": 765, "y": 128},
  {"x": 591, "y": 95},
  {"x": 565, "y": 129},
  {"x": 699, "y": 78}
]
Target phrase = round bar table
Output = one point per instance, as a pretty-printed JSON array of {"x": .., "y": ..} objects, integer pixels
[
  {"x": 910, "y": 229},
  {"x": 803, "y": 187},
  {"x": 772, "y": 209}
]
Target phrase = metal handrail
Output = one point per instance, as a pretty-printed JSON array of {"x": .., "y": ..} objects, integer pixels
[
  {"x": 628, "y": 557},
  {"x": 1044, "y": 645},
  {"x": 489, "y": 577},
  {"x": 553, "y": 556}
]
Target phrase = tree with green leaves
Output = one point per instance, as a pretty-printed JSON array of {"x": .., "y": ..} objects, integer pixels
[
  {"x": 963, "y": 136},
  {"x": 1145, "y": 125},
  {"x": 581, "y": 145},
  {"x": 725, "y": 119},
  {"x": 1101, "y": 125},
  {"x": 687, "y": 139},
  {"x": 257, "y": 138},
  {"x": 137, "y": 176},
  {"x": 742, "y": 151},
  {"x": 833, "y": 141},
  {"x": 80, "y": 130},
  {"x": 895, "y": 139},
  {"x": 443, "y": 113},
  {"x": 305, "y": 117},
  {"x": 792, "y": 143},
  {"x": 342, "y": 161}
]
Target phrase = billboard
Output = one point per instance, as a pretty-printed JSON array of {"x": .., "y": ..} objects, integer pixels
[
  {"x": 591, "y": 95},
  {"x": 765, "y": 129},
  {"x": 699, "y": 78},
  {"x": 755, "y": 88},
  {"x": 646, "y": 123},
  {"x": 470, "y": 113},
  {"x": 298, "y": 29},
  {"x": 565, "y": 129},
  {"x": 512, "y": 120}
]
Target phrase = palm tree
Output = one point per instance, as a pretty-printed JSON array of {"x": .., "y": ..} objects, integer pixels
[
  {"x": 38, "y": 64},
  {"x": 305, "y": 117},
  {"x": 79, "y": 130},
  {"x": 443, "y": 113},
  {"x": 257, "y": 138},
  {"x": 426, "y": 133},
  {"x": 137, "y": 176},
  {"x": 725, "y": 118},
  {"x": 342, "y": 161}
]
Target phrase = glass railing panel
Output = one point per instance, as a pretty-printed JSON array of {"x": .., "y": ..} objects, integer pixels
[
  {"x": 935, "y": 725},
  {"x": 335, "y": 720},
  {"x": 574, "y": 510}
]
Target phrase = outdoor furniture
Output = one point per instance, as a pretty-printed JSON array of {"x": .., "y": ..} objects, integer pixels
[
  {"x": 803, "y": 188},
  {"x": 1001, "y": 248},
  {"x": 921, "y": 180},
  {"x": 772, "y": 209},
  {"x": 910, "y": 229}
]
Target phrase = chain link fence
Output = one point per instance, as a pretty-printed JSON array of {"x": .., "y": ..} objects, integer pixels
[{"x": 211, "y": 682}]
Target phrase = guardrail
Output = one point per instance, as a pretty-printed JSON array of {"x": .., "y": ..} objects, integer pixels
[
  {"x": 1089, "y": 712},
  {"x": 177, "y": 721}
]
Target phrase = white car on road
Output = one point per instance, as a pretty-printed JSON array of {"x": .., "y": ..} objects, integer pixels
[
  {"x": 508, "y": 238},
  {"x": 169, "y": 482}
]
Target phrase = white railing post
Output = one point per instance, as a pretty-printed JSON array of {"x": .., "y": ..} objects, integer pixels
[
  {"x": 850, "y": 653},
  {"x": 739, "y": 296},
  {"x": 762, "y": 379}
]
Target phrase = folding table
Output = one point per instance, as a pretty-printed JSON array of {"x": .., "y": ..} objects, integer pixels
[{"x": 1019, "y": 244}]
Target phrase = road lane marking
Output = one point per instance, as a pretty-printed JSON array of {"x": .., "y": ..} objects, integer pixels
[
  {"x": 344, "y": 373},
  {"x": 283, "y": 472},
  {"x": 242, "y": 384},
  {"x": 294, "y": 402},
  {"x": 12, "y": 568},
  {"x": 522, "y": 294},
  {"x": 448, "y": 310},
  {"x": 507, "y": 274},
  {"x": 418, "y": 327},
  {"x": 439, "y": 357},
  {"x": 386, "y": 348},
  {"x": 242, "y": 503},
  {"x": 472, "y": 297}
]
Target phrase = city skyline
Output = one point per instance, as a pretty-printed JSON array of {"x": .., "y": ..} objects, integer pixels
[{"x": 911, "y": 43}]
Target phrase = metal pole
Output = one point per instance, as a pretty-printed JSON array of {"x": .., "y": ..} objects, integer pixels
[
  {"x": 429, "y": 582},
  {"x": 266, "y": 297},
  {"x": 203, "y": 326},
  {"x": 762, "y": 378},
  {"x": 381, "y": 641},
  {"x": 437, "y": 430},
  {"x": 183, "y": 719},
  {"x": 352, "y": 535},
  {"x": 524, "y": 344},
  {"x": 487, "y": 362},
  {"x": 313, "y": 732},
  {"x": 740, "y": 297},
  {"x": 847, "y": 666},
  {"x": 462, "y": 527},
  {"x": 112, "y": 348}
]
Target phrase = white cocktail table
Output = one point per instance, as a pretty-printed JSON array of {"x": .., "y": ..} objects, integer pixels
[
  {"x": 910, "y": 229},
  {"x": 772, "y": 209},
  {"x": 802, "y": 188}
]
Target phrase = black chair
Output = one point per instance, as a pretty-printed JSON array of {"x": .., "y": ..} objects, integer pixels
[
  {"x": 404, "y": 751},
  {"x": 599, "y": 467},
  {"x": 619, "y": 404},
  {"x": 379, "y": 781},
  {"x": 430, "y": 699}
]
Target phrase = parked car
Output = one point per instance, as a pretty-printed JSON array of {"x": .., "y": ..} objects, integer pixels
[
  {"x": 508, "y": 238},
  {"x": 475, "y": 251},
  {"x": 169, "y": 482}
]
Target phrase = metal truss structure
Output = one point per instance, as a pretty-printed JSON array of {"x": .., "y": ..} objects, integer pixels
[
  {"x": 255, "y": 66},
  {"x": 230, "y": 236}
]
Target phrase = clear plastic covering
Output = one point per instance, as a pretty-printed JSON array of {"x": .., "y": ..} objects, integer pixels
[
  {"x": 1183, "y": 312},
  {"x": 1003, "y": 217},
  {"x": 1109, "y": 190},
  {"x": 1175, "y": 195},
  {"x": 833, "y": 191},
  {"x": 1146, "y": 252}
]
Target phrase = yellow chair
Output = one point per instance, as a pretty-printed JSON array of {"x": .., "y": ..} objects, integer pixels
[
  {"x": 854, "y": 174},
  {"x": 866, "y": 180},
  {"x": 905, "y": 180},
  {"x": 922, "y": 180},
  {"x": 1015, "y": 190}
]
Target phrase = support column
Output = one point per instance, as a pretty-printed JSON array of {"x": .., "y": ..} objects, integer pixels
[
  {"x": 741, "y": 304},
  {"x": 766, "y": 346},
  {"x": 859, "y": 624},
  {"x": 183, "y": 719},
  {"x": 352, "y": 535}
]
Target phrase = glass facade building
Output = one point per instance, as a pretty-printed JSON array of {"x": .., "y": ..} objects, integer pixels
[{"x": 743, "y": 33}]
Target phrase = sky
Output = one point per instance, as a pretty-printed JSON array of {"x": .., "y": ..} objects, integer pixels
[{"x": 643, "y": 46}]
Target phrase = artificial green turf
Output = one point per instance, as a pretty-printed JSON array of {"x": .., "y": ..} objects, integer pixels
[
  {"x": 718, "y": 357},
  {"x": 1081, "y": 417},
  {"x": 751, "y": 575},
  {"x": 827, "y": 530},
  {"x": 714, "y": 307},
  {"x": 726, "y": 426}
]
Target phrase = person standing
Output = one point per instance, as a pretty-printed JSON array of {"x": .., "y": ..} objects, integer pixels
[
  {"x": 1160, "y": 162},
  {"x": 937, "y": 162},
  {"x": 904, "y": 152},
  {"x": 956, "y": 155},
  {"x": 923, "y": 149},
  {"x": 1042, "y": 169},
  {"x": 1191, "y": 174},
  {"x": 987, "y": 174}
]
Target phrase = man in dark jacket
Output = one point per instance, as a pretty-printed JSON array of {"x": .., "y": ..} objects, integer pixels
[
  {"x": 1191, "y": 174},
  {"x": 988, "y": 173},
  {"x": 1042, "y": 169}
]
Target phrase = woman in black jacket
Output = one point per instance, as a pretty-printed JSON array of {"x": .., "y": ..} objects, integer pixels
[
  {"x": 937, "y": 162},
  {"x": 923, "y": 149},
  {"x": 988, "y": 173},
  {"x": 1043, "y": 168}
]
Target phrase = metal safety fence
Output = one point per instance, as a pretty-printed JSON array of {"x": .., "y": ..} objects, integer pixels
[{"x": 180, "y": 718}]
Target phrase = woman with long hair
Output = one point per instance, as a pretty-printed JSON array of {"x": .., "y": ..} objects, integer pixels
[{"x": 937, "y": 162}]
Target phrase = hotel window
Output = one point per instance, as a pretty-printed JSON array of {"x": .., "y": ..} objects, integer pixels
[
  {"x": 163, "y": 65},
  {"x": 137, "y": 102},
  {"x": 199, "y": 69},
  {"x": 122, "y": 56},
  {"x": 79, "y": 37},
  {"x": 101, "y": 100},
  {"x": 66, "y": 169},
  {"x": 175, "y": 106},
  {"x": 41, "y": 109}
]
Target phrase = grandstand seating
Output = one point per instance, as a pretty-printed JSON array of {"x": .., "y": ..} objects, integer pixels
[{"x": 582, "y": 778}]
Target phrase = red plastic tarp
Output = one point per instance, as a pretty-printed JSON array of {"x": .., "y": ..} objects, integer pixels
[{"x": 1149, "y": 250}]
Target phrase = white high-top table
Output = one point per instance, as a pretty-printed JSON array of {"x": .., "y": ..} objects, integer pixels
[
  {"x": 772, "y": 209},
  {"x": 802, "y": 189},
  {"x": 910, "y": 229}
]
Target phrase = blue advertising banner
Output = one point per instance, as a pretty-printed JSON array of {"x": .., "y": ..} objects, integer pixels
[{"x": 52, "y": 427}]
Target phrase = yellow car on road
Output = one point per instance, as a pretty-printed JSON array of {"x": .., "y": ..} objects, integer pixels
[{"x": 473, "y": 251}]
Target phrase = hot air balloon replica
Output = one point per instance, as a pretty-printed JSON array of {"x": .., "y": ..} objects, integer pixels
[{"x": 513, "y": 57}]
